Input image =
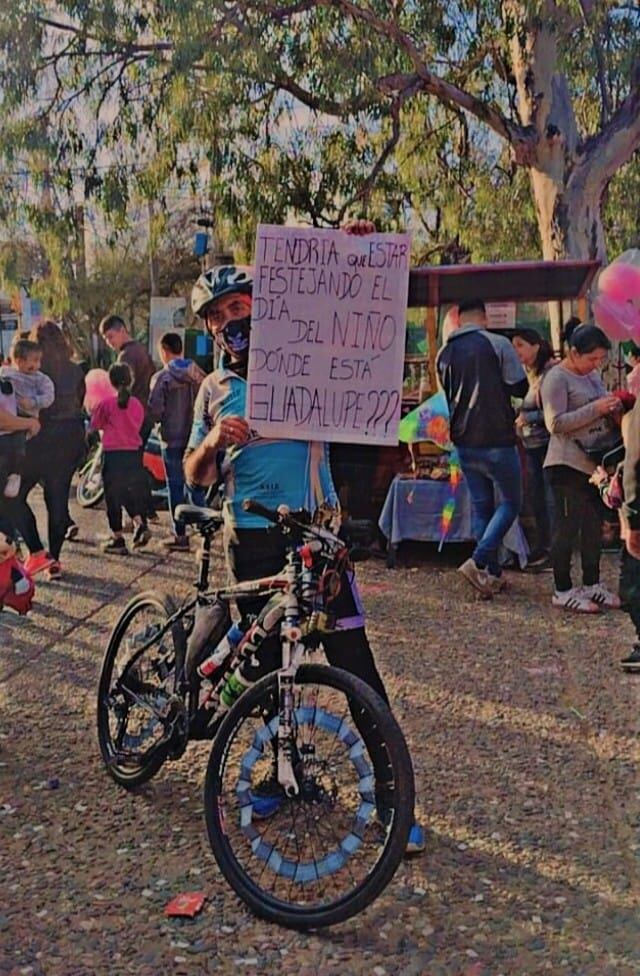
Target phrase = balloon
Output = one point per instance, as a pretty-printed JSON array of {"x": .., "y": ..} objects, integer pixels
[
  {"x": 620, "y": 282},
  {"x": 98, "y": 387},
  {"x": 619, "y": 319}
]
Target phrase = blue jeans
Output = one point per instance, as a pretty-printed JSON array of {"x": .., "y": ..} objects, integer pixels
[
  {"x": 178, "y": 491},
  {"x": 495, "y": 485}
]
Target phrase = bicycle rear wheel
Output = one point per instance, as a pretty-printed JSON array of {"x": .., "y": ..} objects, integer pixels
[
  {"x": 324, "y": 855},
  {"x": 136, "y": 705}
]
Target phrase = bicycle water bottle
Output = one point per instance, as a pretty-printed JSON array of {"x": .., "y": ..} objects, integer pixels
[
  {"x": 235, "y": 684},
  {"x": 223, "y": 651},
  {"x": 228, "y": 644}
]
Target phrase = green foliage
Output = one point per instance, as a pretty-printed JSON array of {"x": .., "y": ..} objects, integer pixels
[
  {"x": 621, "y": 215},
  {"x": 47, "y": 263},
  {"x": 287, "y": 104}
]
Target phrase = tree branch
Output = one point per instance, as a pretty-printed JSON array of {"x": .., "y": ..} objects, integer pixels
[
  {"x": 587, "y": 7},
  {"x": 444, "y": 91},
  {"x": 277, "y": 13},
  {"x": 318, "y": 103},
  {"x": 604, "y": 154},
  {"x": 390, "y": 145},
  {"x": 453, "y": 97},
  {"x": 123, "y": 47}
]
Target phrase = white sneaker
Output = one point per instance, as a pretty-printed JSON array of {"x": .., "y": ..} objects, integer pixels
[
  {"x": 12, "y": 486},
  {"x": 599, "y": 594},
  {"x": 576, "y": 600},
  {"x": 479, "y": 578}
]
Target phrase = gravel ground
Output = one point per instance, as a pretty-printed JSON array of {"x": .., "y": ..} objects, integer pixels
[{"x": 524, "y": 739}]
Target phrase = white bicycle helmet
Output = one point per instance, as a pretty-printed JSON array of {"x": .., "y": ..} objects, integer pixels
[{"x": 216, "y": 282}]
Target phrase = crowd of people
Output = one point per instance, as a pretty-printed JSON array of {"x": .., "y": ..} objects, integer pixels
[
  {"x": 46, "y": 430},
  {"x": 42, "y": 441},
  {"x": 557, "y": 443},
  {"x": 564, "y": 444},
  {"x": 221, "y": 449}
]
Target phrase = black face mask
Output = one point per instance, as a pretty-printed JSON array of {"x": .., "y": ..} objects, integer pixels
[{"x": 234, "y": 338}]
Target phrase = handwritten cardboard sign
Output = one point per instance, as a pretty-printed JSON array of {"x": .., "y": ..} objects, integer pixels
[{"x": 328, "y": 335}]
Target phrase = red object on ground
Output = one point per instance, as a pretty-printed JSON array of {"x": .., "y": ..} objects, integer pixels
[
  {"x": 185, "y": 905},
  {"x": 16, "y": 585}
]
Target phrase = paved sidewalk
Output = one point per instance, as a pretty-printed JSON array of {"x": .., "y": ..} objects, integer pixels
[{"x": 525, "y": 742}]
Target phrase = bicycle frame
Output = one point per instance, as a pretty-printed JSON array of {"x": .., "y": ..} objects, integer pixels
[{"x": 282, "y": 610}]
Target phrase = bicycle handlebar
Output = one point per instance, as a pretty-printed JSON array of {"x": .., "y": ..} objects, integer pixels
[
  {"x": 256, "y": 508},
  {"x": 357, "y": 553}
]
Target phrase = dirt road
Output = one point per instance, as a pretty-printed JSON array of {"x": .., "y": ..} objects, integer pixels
[{"x": 525, "y": 742}]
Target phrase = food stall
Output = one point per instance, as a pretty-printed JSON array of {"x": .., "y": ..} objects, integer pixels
[{"x": 434, "y": 288}]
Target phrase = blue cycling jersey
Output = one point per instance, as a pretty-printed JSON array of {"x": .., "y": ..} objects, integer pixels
[{"x": 273, "y": 472}]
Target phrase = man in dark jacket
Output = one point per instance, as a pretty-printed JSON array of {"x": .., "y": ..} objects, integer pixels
[
  {"x": 480, "y": 372},
  {"x": 173, "y": 393},
  {"x": 116, "y": 335}
]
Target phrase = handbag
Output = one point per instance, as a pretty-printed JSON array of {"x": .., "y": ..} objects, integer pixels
[{"x": 606, "y": 455}]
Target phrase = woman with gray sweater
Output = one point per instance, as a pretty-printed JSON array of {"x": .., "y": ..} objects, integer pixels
[{"x": 579, "y": 415}]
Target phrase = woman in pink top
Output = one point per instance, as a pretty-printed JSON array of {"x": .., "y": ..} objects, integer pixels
[{"x": 120, "y": 418}]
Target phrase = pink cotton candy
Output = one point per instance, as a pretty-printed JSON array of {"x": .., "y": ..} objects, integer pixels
[
  {"x": 620, "y": 282},
  {"x": 619, "y": 319},
  {"x": 98, "y": 388}
]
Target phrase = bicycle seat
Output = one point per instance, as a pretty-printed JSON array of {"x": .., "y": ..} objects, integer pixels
[{"x": 196, "y": 515}]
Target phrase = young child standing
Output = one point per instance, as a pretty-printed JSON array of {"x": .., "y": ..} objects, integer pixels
[
  {"x": 612, "y": 494},
  {"x": 33, "y": 390},
  {"x": 120, "y": 418}
]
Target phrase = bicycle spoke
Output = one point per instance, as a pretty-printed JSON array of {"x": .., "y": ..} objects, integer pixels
[
  {"x": 140, "y": 688},
  {"x": 312, "y": 847}
]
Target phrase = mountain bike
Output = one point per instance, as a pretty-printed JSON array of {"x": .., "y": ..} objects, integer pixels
[{"x": 340, "y": 801}]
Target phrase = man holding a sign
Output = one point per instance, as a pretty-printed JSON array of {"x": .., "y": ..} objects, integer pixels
[{"x": 269, "y": 464}]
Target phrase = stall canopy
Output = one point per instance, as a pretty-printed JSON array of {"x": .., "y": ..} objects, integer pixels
[{"x": 522, "y": 281}]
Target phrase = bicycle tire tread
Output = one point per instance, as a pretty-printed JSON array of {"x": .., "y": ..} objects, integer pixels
[{"x": 298, "y": 918}]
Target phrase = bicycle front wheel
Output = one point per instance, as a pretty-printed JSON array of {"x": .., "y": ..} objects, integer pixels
[
  {"x": 90, "y": 487},
  {"x": 322, "y": 856}
]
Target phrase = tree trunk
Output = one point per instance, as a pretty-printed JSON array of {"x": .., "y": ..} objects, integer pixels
[
  {"x": 570, "y": 225},
  {"x": 569, "y": 217},
  {"x": 153, "y": 261}
]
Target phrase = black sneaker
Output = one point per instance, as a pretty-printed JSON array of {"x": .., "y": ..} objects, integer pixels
[
  {"x": 631, "y": 663},
  {"x": 72, "y": 532},
  {"x": 141, "y": 536},
  {"x": 116, "y": 546},
  {"x": 541, "y": 565}
]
